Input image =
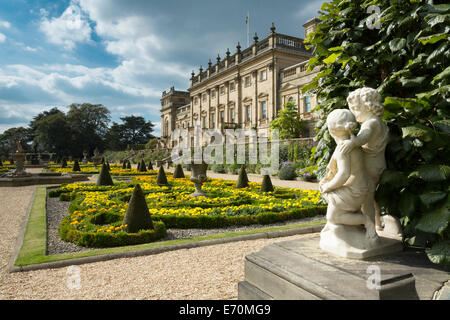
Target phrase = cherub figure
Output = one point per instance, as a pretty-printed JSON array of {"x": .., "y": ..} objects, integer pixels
[
  {"x": 366, "y": 104},
  {"x": 345, "y": 186}
]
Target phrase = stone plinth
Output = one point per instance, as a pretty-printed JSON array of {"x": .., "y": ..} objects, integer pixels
[
  {"x": 300, "y": 270},
  {"x": 351, "y": 242}
]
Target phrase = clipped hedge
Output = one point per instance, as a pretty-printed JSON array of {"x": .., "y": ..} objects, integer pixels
[
  {"x": 222, "y": 221},
  {"x": 105, "y": 239}
]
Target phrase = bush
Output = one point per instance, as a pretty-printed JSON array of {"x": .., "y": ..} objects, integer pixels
[
  {"x": 407, "y": 61},
  {"x": 105, "y": 239},
  {"x": 266, "y": 185},
  {"x": 218, "y": 168},
  {"x": 242, "y": 181},
  {"x": 178, "y": 173},
  {"x": 104, "y": 178},
  {"x": 287, "y": 172}
]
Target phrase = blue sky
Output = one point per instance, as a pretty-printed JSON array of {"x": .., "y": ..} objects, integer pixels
[{"x": 121, "y": 54}]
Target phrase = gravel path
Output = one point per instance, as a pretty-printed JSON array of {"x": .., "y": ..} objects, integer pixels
[{"x": 199, "y": 273}]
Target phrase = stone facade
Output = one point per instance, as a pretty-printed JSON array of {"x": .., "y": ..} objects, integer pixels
[{"x": 244, "y": 90}]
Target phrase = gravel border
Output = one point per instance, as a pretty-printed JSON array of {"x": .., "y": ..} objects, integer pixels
[{"x": 57, "y": 210}]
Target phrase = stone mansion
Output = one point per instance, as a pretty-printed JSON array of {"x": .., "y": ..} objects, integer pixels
[{"x": 244, "y": 90}]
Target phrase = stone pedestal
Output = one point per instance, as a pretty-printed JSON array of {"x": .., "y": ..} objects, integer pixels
[
  {"x": 300, "y": 270},
  {"x": 351, "y": 242}
]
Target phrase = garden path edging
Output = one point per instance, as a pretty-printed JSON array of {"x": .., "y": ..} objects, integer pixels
[{"x": 156, "y": 250}]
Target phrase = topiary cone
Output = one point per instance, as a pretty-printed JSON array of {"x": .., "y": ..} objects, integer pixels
[
  {"x": 63, "y": 163},
  {"x": 1, "y": 163},
  {"x": 150, "y": 165},
  {"x": 124, "y": 165},
  {"x": 266, "y": 185},
  {"x": 104, "y": 178},
  {"x": 137, "y": 216},
  {"x": 242, "y": 179},
  {"x": 142, "y": 166},
  {"x": 178, "y": 173},
  {"x": 107, "y": 165},
  {"x": 161, "y": 180},
  {"x": 76, "y": 166},
  {"x": 128, "y": 164}
]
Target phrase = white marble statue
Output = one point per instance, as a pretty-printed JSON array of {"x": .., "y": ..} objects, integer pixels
[
  {"x": 345, "y": 186},
  {"x": 352, "y": 176},
  {"x": 367, "y": 106}
]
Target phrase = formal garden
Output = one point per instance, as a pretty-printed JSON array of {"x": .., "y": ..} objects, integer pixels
[{"x": 97, "y": 211}]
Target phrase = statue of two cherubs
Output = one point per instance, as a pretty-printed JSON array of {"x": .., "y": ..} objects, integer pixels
[{"x": 357, "y": 163}]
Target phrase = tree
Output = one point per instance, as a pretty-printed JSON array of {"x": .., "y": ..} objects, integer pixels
[
  {"x": 407, "y": 61},
  {"x": 134, "y": 130},
  {"x": 89, "y": 125},
  {"x": 51, "y": 130},
  {"x": 9, "y": 138},
  {"x": 288, "y": 122}
]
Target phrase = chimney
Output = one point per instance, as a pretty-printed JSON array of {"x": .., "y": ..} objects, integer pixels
[{"x": 310, "y": 25}]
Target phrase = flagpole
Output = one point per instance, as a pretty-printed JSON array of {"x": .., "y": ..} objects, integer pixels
[{"x": 248, "y": 29}]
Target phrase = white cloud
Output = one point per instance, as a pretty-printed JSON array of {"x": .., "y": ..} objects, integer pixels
[
  {"x": 5, "y": 24},
  {"x": 2, "y": 38},
  {"x": 70, "y": 28}
]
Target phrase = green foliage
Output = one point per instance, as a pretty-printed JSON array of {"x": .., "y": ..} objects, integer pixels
[
  {"x": 178, "y": 173},
  {"x": 407, "y": 61},
  {"x": 104, "y": 177},
  {"x": 161, "y": 180},
  {"x": 288, "y": 122},
  {"x": 64, "y": 163},
  {"x": 266, "y": 185},
  {"x": 76, "y": 166},
  {"x": 105, "y": 240},
  {"x": 287, "y": 172},
  {"x": 142, "y": 167},
  {"x": 242, "y": 181},
  {"x": 137, "y": 216}
]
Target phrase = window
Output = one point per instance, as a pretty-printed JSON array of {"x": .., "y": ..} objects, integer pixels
[
  {"x": 248, "y": 81},
  {"x": 291, "y": 99},
  {"x": 232, "y": 115},
  {"x": 222, "y": 116},
  {"x": 204, "y": 97},
  {"x": 213, "y": 120},
  {"x": 222, "y": 90},
  {"x": 196, "y": 100},
  {"x": 232, "y": 86},
  {"x": 204, "y": 122},
  {"x": 263, "y": 75},
  {"x": 264, "y": 110},
  {"x": 248, "y": 113},
  {"x": 307, "y": 104},
  {"x": 213, "y": 93}
]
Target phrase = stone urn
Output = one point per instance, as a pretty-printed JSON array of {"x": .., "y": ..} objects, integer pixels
[
  {"x": 97, "y": 158},
  {"x": 19, "y": 161},
  {"x": 198, "y": 177},
  {"x": 85, "y": 159}
]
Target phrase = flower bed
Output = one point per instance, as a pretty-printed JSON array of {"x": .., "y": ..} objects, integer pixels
[
  {"x": 90, "y": 169},
  {"x": 99, "y": 211}
]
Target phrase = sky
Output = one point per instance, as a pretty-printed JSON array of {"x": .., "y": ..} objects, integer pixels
[{"x": 122, "y": 53}]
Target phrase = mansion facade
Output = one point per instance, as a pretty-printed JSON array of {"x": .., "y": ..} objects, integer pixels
[{"x": 245, "y": 90}]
